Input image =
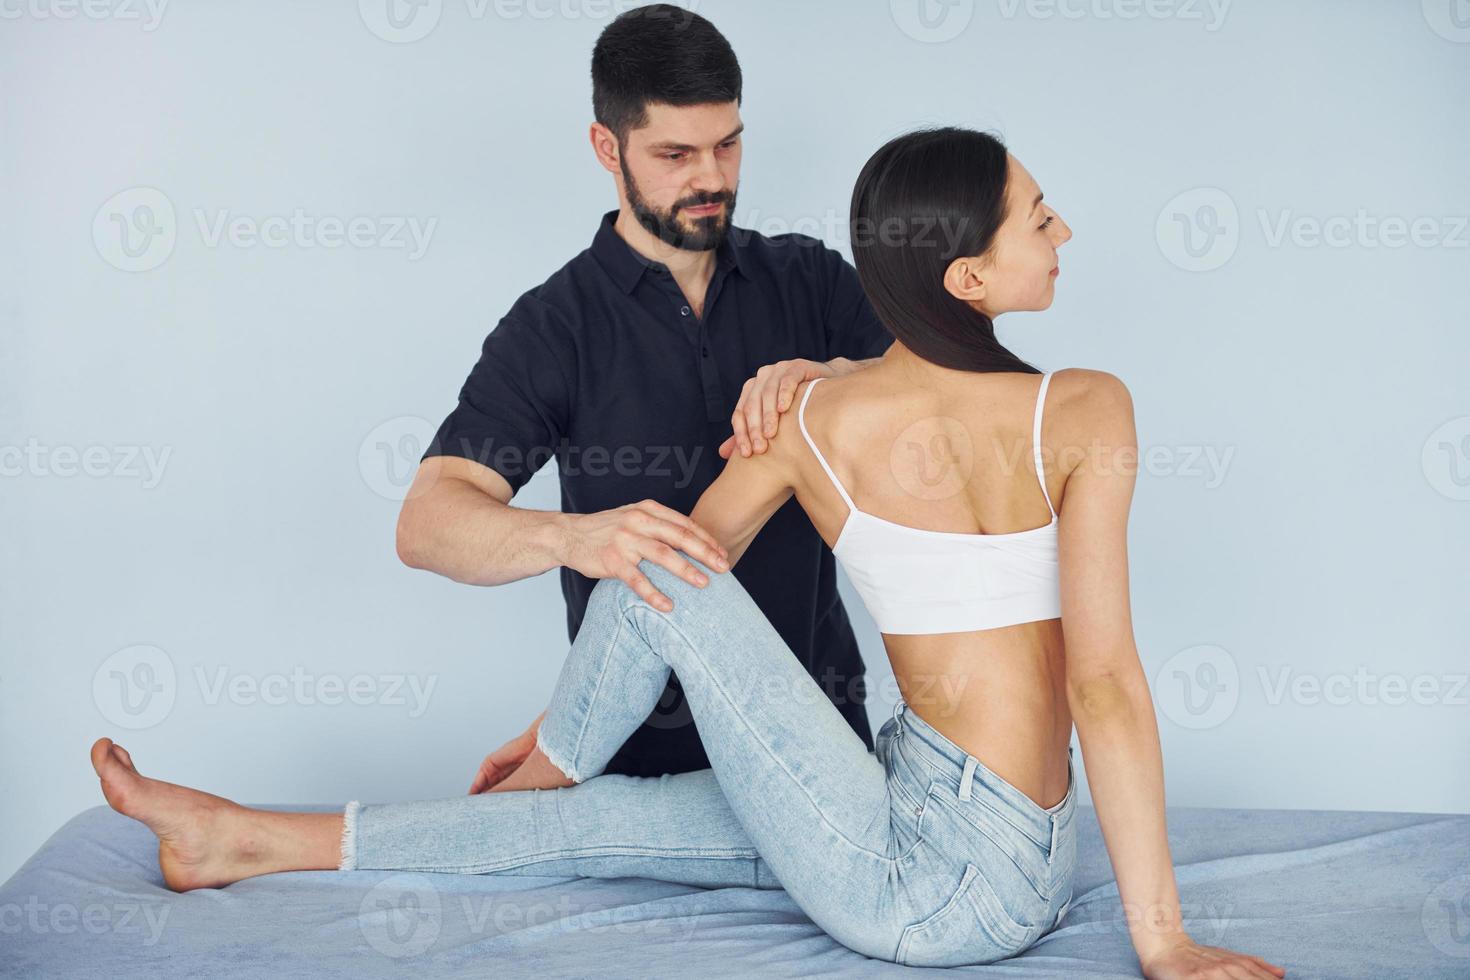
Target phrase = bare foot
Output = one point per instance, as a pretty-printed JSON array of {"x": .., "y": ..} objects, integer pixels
[
  {"x": 203, "y": 840},
  {"x": 536, "y": 772}
]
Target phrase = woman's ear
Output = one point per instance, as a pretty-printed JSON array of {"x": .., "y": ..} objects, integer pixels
[{"x": 963, "y": 279}]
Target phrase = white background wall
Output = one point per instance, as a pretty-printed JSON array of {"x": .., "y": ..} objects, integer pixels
[{"x": 1299, "y": 533}]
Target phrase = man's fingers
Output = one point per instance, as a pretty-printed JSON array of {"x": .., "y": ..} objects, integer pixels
[
  {"x": 693, "y": 544},
  {"x": 727, "y": 448},
  {"x": 669, "y": 515},
  {"x": 661, "y": 554},
  {"x": 753, "y": 421},
  {"x": 657, "y": 531},
  {"x": 788, "y": 391},
  {"x": 741, "y": 437},
  {"x": 640, "y": 584},
  {"x": 768, "y": 409},
  {"x": 762, "y": 400}
]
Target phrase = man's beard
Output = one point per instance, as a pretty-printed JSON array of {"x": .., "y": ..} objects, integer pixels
[{"x": 709, "y": 230}]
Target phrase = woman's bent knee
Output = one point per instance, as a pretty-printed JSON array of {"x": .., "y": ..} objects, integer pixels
[{"x": 720, "y": 587}]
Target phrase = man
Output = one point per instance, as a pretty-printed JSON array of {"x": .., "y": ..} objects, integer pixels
[{"x": 674, "y": 340}]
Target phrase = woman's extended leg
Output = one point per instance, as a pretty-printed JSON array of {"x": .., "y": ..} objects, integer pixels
[
  {"x": 794, "y": 799},
  {"x": 675, "y": 827},
  {"x": 809, "y": 796}
]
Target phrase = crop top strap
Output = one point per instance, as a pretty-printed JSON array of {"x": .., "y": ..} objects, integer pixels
[
  {"x": 1036, "y": 441},
  {"x": 801, "y": 421}
]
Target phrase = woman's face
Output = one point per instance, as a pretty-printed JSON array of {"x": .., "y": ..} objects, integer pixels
[{"x": 1020, "y": 270}]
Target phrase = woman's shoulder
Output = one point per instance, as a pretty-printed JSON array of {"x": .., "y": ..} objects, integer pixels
[
  {"x": 840, "y": 389},
  {"x": 844, "y": 402},
  {"x": 1089, "y": 409},
  {"x": 1090, "y": 379},
  {"x": 1090, "y": 392},
  {"x": 857, "y": 397}
]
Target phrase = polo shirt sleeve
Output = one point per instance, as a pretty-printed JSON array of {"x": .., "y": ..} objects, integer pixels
[
  {"x": 853, "y": 328},
  {"x": 514, "y": 408}
]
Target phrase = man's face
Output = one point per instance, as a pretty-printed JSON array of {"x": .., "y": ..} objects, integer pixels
[{"x": 681, "y": 172}]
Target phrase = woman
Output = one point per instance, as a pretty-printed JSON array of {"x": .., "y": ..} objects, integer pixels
[{"x": 1005, "y": 622}]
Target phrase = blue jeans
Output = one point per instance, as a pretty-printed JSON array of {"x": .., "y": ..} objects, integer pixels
[{"x": 915, "y": 853}]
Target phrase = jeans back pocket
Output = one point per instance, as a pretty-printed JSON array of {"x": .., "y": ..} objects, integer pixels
[{"x": 973, "y": 926}]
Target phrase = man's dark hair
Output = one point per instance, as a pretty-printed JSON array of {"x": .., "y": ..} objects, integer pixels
[{"x": 659, "y": 53}]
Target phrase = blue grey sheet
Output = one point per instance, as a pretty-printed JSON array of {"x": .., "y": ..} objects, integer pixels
[{"x": 1325, "y": 894}]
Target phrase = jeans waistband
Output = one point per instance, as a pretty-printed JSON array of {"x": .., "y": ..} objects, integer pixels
[{"x": 970, "y": 777}]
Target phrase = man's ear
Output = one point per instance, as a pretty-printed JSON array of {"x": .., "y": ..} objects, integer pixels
[
  {"x": 964, "y": 279},
  {"x": 605, "y": 146}
]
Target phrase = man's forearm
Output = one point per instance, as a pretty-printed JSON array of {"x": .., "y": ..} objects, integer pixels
[
  {"x": 1120, "y": 747},
  {"x": 463, "y": 533}
]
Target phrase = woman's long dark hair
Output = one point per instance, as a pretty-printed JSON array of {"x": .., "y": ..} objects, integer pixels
[{"x": 923, "y": 200}]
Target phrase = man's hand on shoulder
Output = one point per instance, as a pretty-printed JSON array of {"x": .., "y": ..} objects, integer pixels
[{"x": 766, "y": 396}]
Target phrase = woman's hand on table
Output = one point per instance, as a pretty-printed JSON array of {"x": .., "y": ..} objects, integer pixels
[{"x": 1189, "y": 960}]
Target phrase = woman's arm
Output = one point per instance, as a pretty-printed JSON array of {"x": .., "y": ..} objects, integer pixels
[
  {"x": 749, "y": 490},
  {"x": 732, "y": 509},
  {"x": 1108, "y": 692},
  {"x": 1106, "y": 688}
]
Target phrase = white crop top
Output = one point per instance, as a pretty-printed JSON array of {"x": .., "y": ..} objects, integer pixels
[{"x": 917, "y": 581}]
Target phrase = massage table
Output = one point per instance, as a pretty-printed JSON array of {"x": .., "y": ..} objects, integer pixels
[{"x": 1325, "y": 894}]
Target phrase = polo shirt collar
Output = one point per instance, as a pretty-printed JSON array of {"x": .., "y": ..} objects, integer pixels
[{"x": 626, "y": 265}]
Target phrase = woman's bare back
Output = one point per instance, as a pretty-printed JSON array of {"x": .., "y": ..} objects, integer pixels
[{"x": 955, "y": 455}]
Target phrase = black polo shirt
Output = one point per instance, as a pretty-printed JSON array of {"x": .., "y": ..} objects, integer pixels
[{"x": 606, "y": 366}]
